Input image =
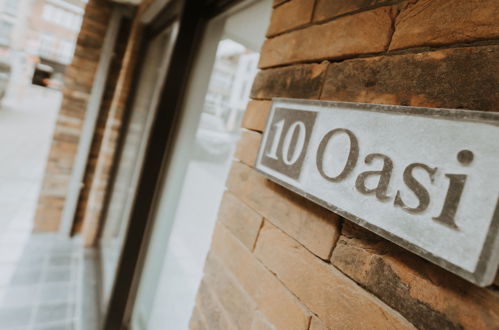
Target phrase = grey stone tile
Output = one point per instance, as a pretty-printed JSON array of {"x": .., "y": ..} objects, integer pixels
[
  {"x": 15, "y": 317},
  {"x": 58, "y": 274},
  {"x": 47, "y": 313},
  {"x": 60, "y": 326},
  {"x": 52, "y": 292},
  {"x": 73, "y": 293},
  {"x": 44, "y": 238},
  {"x": 72, "y": 310},
  {"x": 66, "y": 325},
  {"x": 26, "y": 277},
  {"x": 6, "y": 273},
  {"x": 32, "y": 262},
  {"x": 60, "y": 260},
  {"x": 40, "y": 242},
  {"x": 90, "y": 316},
  {"x": 37, "y": 247},
  {"x": 36, "y": 250},
  {"x": 20, "y": 296},
  {"x": 65, "y": 246}
]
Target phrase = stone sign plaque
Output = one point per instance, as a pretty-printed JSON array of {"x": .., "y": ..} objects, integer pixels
[{"x": 426, "y": 179}]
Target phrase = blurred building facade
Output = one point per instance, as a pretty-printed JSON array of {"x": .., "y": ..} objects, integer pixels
[
  {"x": 38, "y": 38},
  {"x": 52, "y": 31},
  {"x": 13, "y": 31}
]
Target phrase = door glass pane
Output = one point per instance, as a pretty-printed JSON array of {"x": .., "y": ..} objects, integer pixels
[
  {"x": 167, "y": 297},
  {"x": 130, "y": 159}
]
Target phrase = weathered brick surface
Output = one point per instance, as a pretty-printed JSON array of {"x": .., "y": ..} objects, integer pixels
[
  {"x": 240, "y": 219},
  {"x": 276, "y": 3},
  {"x": 346, "y": 54},
  {"x": 332, "y": 40},
  {"x": 299, "y": 81},
  {"x": 432, "y": 79},
  {"x": 278, "y": 305},
  {"x": 256, "y": 115},
  {"x": 238, "y": 307},
  {"x": 290, "y": 15},
  {"x": 212, "y": 312},
  {"x": 327, "y": 9},
  {"x": 260, "y": 322},
  {"x": 316, "y": 324},
  {"x": 78, "y": 82},
  {"x": 112, "y": 129},
  {"x": 49, "y": 206},
  {"x": 247, "y": 148},
  {"x": 313, "y": 226},
  {"x": 322, "y": 287},
  {"x": 196, "y": 322},
  {"x": 107, "y": 98},
  {"x": 443, "y": 22},
  {"x": 426, "y": 295}
]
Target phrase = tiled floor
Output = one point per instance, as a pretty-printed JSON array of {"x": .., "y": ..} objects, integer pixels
[
  {"x": 40, "y": 290},
  {"x": 42, "y": 284}
]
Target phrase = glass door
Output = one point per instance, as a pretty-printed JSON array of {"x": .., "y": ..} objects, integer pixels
[
  {"x": 192, "y": 190},
  {"x": 131, "y": 156}
]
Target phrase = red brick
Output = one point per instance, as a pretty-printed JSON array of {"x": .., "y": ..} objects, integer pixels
[
  {"x": 256, "y": 115},
  {"x": 290, "y": 15},
  {"x": 443, "y": 22},
  {"x": 313, "y": 226},
  {"x": 108, "y": 146},
  {"x": 247, "y": 148},
  {"x": 260, "y": 322},
  {"x": 237, "y": 304},
  {"x": 338, "y": 301},
  {"x": 196, "y": 322},
  {"x": 240, "y": 219},
  {"x": 47, "y": 220},
  {"x": 276, "y": 3},
  {"x": 278, "y": 305},
  {"x": 363, "y": 33},
  {"x": 316, "y": 324},
  {"x": 212, "y": 312},
  {"x": 432, "y": 79},
  {"x": 78, "y": 82},
  {"x": 327, "y": 9},
  {"x": 299, "y": 81},
  {"x": 425, "y": 294}
]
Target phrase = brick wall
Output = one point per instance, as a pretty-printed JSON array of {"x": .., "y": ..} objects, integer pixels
[
  {"x": 107, "y": 101},
  {"x": 99, "y": 184},
  {"x": 108, "y": 147},
  {"x": 109, "y": 122},
  {"x": 278, "y": 261},
  {"x": 78, "y": 81}
]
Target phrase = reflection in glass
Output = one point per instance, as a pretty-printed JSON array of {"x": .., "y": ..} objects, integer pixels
[
  {"x": 130, "y": 160},
  {"x": 216, "y": 137}
]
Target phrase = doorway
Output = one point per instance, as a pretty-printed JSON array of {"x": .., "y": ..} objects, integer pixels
[
  {"x": 130, "y": 158},
  {"x": 192, "y": 189}
]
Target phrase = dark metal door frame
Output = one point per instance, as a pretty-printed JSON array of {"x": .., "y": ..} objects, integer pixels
[{"x": 192, "y": 17}]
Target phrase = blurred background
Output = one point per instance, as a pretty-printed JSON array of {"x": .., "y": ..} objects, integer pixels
[{"x": 38, "y": 273}]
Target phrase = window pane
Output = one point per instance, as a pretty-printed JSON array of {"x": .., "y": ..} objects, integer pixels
[
  {"x": 46, "y": 44},
  {"x": 201, "y": 163},
  {"x": 5, "y": 32},
  {"x": 11, "y": 6}
]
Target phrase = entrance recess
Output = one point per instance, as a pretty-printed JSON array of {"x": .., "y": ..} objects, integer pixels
[
  {"x": 191, "y": 191},
  {"x": 130, "y": 158}
]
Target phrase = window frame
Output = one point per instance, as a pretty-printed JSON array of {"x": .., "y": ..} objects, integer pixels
[{"x": 193, "y": 17}]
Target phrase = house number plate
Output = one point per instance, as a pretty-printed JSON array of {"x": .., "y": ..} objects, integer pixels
[{"x": 426, "y": 179}]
